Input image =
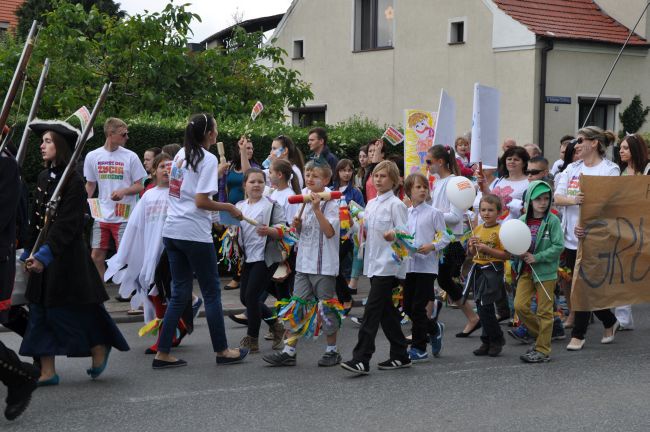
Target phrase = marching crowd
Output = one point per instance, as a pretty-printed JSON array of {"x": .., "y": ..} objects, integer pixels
[{"x": 303, "y": 233}]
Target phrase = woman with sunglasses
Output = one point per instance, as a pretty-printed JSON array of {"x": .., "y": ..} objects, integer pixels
[
  {"x": 283, "y": 147},
  {"x": 633, "y": 152},
  {"x": 590, "y": 147}
]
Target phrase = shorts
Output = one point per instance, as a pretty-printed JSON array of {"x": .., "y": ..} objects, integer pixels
[
  {"x": 106, "y": 235},
  {"x": 311, "y": 287}
]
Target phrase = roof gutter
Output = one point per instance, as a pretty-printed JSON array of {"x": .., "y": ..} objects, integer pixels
[{"x": 542, "y": 93}]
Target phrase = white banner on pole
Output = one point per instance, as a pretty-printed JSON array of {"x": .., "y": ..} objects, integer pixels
[
  {"x": 485, "y": 126},
  {"x": 446, "y": 124}
]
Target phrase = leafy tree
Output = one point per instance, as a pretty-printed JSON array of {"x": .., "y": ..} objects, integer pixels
[
  {"x": 633, "y": 117},
  {"x": 35, "y": 9},
  {"x": 152, "y": 70}
]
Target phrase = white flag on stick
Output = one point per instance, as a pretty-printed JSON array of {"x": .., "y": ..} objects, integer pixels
[
  {"x": 485, "y": 126},
  {"x": 446, "y": 124},
  {"x": 83, "y": 114}
]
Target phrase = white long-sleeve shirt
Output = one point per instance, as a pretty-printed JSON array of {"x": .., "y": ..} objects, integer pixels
[
  {"x": 452, "y": 214},
  {"x": 383, "y": 213},
  {"x": 426, "y": 222}
]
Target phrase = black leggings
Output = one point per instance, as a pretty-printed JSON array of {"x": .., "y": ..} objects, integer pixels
[
  {"x": 255, "y": 283},
  {"x": 454, "y": 256},
  {"x": 342, "y": 289},
  {"x": 582, "y": 322}
]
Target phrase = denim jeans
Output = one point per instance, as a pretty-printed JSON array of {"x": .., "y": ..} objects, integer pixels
[{"x": 187, "y": 258}]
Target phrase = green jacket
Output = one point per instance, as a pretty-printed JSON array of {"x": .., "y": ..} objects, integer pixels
[{"x": 549, "y": 243}]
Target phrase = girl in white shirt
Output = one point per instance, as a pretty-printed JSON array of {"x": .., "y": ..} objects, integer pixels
[
  {"x": 260, "y": 258},
  {"x": 590, "y": 147},
  {"x": 441, "y": 161},
  {"x": 382, "y": 215},
  {"x": 187, "y": 236},
  {"x": 428, "y": 226}
]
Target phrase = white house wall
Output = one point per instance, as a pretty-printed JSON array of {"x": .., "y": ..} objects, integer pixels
[{"x": 381, "y": 84}]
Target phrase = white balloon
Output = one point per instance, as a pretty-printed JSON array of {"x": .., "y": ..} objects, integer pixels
[
  {"x": 461, "y": 192},
  {"x": 515, "y": 236}
]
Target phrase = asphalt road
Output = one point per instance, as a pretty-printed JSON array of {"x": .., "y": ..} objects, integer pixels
[{"x": 602, "y": 388}]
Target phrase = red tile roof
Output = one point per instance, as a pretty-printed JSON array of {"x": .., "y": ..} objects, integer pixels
[
  {"x": 8, "y": 11},
  {"x": 568, "y": 19}
]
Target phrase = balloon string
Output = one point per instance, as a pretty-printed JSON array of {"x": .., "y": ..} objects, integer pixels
[
  {"x": 540, "y": 282},
  {"x": 469, "y": 222}
]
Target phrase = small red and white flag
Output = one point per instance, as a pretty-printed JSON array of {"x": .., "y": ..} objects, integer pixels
[
  {"x": 83, "y": 114},
  {"x": 393, "y": 136},
  {"x": 257, "y": 109}
]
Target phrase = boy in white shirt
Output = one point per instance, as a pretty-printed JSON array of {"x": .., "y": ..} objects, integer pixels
[
  {"x": 118, "y": 172},
  {"x": 382, "y": 215},
  {"x": 317, "y": 265}
]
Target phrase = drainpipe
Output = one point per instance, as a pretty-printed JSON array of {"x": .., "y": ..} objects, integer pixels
[{"x": 542, "y": 93}]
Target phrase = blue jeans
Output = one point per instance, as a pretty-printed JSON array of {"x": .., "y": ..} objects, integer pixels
[{"x": 187, "y": 258}]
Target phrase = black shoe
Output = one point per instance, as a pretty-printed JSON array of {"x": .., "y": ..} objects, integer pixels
[
  {"x": 482, "y": 350},
  {"x": 495, "y": 348},
  {"x": 242, "y": 321},
  {"x": 280, "y": 359},
  {"x": 331, "y": 358},
  {"x": 150, "y": 351},
  {"x": 392, "y": 364},
  {"x": 353, "y": 291},
  {"x": 359, "y": 368},
  {"x": 229, "y": 287},
  {"x": 162, "y": 364},
  {"x": 121, "y": 299},
  {"x": 464, "y": 335},
  {"x": 18, "y": 397}
]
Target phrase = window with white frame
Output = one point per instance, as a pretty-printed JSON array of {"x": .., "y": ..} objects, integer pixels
[
  {"x": 373, "y": 24},
  {"x": 457, "y": 31}
]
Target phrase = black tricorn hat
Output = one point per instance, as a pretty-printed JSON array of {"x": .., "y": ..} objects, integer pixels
[{"x": 66, "y": 130}]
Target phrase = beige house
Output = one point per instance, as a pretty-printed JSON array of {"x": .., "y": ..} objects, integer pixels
[{"x": 374, "y": 58}]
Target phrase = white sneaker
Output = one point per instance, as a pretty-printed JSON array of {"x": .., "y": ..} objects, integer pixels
[
  {"x": 575, "y": 344},
  {"x": 610, "y": 339}
]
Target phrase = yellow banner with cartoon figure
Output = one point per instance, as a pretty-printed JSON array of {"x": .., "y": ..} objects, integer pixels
[{"x": 419, "y": 129}]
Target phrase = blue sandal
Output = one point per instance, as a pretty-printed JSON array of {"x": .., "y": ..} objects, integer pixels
[{"x": 95, "y": 372}]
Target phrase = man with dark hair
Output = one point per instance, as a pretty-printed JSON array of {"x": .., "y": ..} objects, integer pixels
[
  {"x": 564, "y": 142},
  {"x": 317, "y": 140},
  {"x": 20, "y": 378}
]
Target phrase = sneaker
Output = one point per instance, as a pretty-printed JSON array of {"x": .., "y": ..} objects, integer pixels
[
  {"x": 250, "y": 343},
  {"x": 330, "y": 358},
  {"x": 535, "y": 357},
  {"x": 482, "y": 350},
  {"x": 357, "y": 320},
  {"x": 436, "y": 341},
  {"x": 417, "y": 355},
  {"x": 280, "y": 359},
  {"x": 392, "y": 364},
  {"x": 520, "y": 334},
  {"x": 269, "y": 335},
  {"x": 558, "y": 333},
  {"x": 359, "y": 368},
  {"x": 196, "y": 306}
]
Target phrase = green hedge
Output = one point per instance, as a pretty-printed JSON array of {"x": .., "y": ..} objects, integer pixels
[{"x": 345, "y": 138}]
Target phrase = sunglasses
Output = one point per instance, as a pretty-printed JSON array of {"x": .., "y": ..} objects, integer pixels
[
  {"x": 579, "y": 140},
  {"x": 533, "y": 172}
]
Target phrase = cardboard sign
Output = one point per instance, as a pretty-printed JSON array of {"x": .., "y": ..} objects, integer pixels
[
  {"x": 613, "y": 261},
  {"x": 446, "y": 123},
  {"x": 485, "y": 126},
  {"x": 95, "y": 208}
]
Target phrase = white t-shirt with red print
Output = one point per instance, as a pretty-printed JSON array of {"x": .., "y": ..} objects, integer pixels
[
  {"x": 185, "y": 221},
  {"x": 511, "y": 194},
  {"x": 111, "y": 171}
]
